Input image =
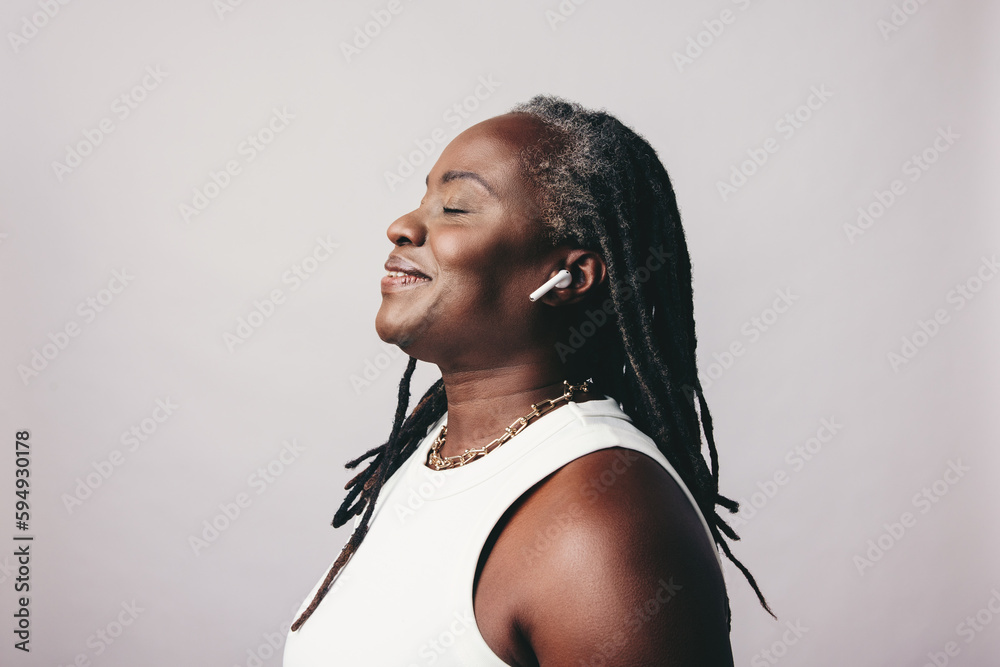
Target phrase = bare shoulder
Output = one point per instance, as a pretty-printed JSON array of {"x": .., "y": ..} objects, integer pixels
[{"x": 610, "y": 564}]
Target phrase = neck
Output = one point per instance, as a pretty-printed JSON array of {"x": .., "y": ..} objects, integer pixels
[{"x": 482, "y": 403}]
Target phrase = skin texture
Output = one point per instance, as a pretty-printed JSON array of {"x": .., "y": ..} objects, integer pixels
[
  {"x": 480, "y": 240},
  {"x": 587, "y": 572}
]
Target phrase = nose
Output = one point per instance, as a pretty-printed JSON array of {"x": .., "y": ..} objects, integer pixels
[{"x": 407, "y": 229}]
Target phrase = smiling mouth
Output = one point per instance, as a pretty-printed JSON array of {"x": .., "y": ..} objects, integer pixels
[{"x": 401, "y": 279}]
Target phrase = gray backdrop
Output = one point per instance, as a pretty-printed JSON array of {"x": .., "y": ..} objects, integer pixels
[{"x": 194, "y": 204}]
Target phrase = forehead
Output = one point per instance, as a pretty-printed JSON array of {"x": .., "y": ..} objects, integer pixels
[{"x": 491, "y": 149}]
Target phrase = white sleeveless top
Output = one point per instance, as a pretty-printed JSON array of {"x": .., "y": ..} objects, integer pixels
[{"x": 405, "y": 598}]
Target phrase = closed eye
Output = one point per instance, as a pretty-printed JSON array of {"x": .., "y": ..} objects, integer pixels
[{"x": 454, "y": 210}]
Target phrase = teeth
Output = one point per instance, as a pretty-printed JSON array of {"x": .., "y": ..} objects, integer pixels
[{"x": 400, "y": 274}]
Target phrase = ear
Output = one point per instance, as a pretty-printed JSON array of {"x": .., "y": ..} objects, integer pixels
[{"x": 588, "y": 270}]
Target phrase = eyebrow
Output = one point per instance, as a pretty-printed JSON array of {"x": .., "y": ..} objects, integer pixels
[{"x": 454, "y": 174}]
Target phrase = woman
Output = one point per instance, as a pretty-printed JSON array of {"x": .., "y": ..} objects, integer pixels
[{"x": 588, "y": 537}]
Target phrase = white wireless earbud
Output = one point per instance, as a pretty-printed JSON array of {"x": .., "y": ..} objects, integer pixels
[{"x": 561, "y": 279}]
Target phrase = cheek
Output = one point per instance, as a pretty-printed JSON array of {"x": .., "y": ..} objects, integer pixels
[
  {"x": 456, "y": 250},
  {"x": 493, "y": 266},
  {"x": 473, "y": 254}
]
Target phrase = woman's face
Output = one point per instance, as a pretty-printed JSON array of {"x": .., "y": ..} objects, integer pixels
[{"x": 478, "y": 240}]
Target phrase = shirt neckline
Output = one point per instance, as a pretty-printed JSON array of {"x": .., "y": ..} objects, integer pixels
[{"x": 455, "y": 480}]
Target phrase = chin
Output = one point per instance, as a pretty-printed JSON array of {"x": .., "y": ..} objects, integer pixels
[
  {"x": 382, "y": 330},
  {"x": 388, "y": 333},
  {"x": 403, "y": 329}
]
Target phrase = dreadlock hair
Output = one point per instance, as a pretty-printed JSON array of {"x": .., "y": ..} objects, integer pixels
[{"x": 601, "y": 187}]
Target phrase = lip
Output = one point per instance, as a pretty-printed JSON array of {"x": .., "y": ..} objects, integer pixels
[
  {"x": 415, "y": 276},
  {"x": 397, "y": 263}
]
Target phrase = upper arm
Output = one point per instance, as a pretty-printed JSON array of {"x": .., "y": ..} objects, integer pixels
[{"x": 627, "y": 575}]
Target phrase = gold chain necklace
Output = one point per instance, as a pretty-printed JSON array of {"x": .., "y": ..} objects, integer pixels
[{"x": 438, "y": 462}]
